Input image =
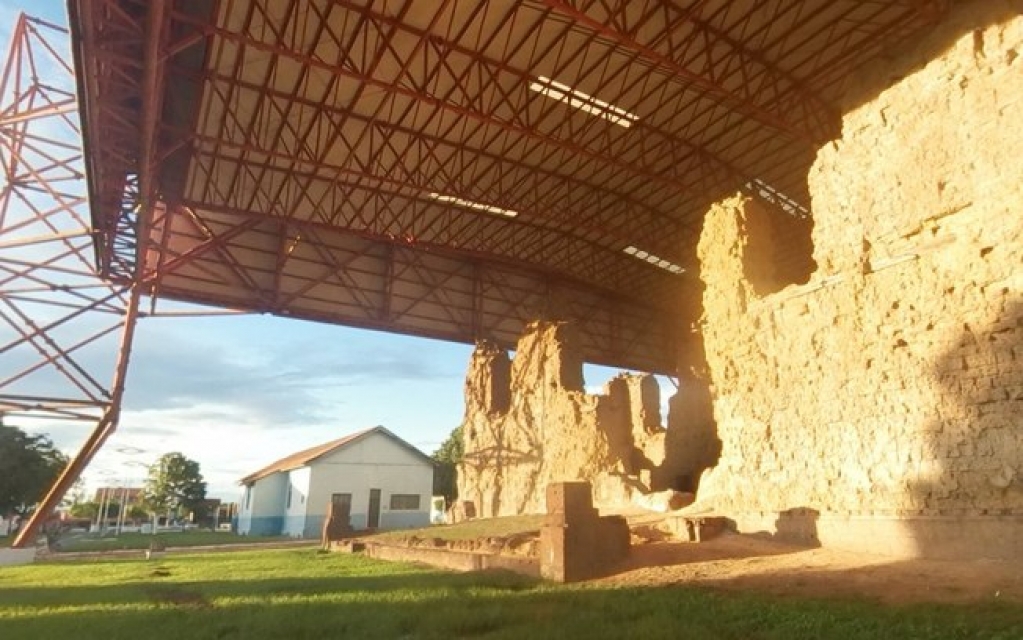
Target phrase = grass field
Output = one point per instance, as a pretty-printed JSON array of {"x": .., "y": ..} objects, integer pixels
[
  {"x": 299, "y": 593},
  {"x": 169, "y": 539}
]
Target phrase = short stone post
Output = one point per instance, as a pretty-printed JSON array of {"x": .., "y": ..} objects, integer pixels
[{"x": 575, "y": 542}]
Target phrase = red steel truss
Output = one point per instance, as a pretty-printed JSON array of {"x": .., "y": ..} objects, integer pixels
[
  {"x": 315, "y": 158},
  {"x": 336, "y": 241},
  {"x": 65, "y": 331}
]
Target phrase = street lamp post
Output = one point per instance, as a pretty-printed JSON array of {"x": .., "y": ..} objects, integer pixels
[
  {"x": 118, "y": 489},
  {"x": 127, "y": 450},
  {"x": 124, "y": 505},
  {"x": 147, "y": 467},
  {"x": 99, "y": 510},
  {"x": 104, "y": 502}
]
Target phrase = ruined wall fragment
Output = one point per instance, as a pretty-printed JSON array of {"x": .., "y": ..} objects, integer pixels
[
  {"x": 544, "y": 428},
  {"x": 891, "y": 385},
  {"x": 548, "y": 432}
]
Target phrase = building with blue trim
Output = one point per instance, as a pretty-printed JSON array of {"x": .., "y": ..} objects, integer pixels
[{"x": 386, "y": 482}]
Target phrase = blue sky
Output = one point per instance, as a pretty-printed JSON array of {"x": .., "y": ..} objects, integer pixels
[{"x": 237, "y": 392}]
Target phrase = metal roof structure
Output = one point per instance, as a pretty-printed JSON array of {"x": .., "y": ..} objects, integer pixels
[
  {"x": 454, "y": 168},
  {"x": 445, "y": 168}
]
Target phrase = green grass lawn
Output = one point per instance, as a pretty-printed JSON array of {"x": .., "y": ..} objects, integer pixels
[
  {"x": 299, "y": 593},
  {"x": 169, "y": 539}
]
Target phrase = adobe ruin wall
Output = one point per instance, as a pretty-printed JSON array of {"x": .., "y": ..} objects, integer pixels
[
  {"x": 886, "y": 394},
  {"x": 529, "y": 422}
]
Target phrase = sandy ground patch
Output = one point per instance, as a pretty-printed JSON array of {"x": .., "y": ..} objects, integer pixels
[{"x": 740, "y": 562}]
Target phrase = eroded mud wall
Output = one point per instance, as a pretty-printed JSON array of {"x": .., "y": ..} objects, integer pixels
[
  {"x": 529, "y": 422},
  {"x": 887, "y": 393}
]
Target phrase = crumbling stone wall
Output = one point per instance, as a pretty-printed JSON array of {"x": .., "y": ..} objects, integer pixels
[
  {"x": 529, "y": 423},
  {"x": 891, "y": 384}
]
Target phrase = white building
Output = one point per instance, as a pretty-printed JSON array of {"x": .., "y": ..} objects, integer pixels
[{"x": 387, "y": 482}]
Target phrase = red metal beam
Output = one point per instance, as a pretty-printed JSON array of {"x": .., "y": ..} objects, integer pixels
[
  {"x": 805, "y": 116},
  {"x": 436, "y": 146},
  {"x": 477, "y": 64},
  {"x": 510, "y": 126},
  {"x": 106, "y": 426},
  {"x": 51, "y": 294},
  {"x": 563, "y": 205},
  {"x": 152, "y": 101}
]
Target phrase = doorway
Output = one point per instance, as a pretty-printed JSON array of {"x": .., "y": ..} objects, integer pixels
[
  {"x": 342, "y": 505},
  {"x": 373, "y": 519}
]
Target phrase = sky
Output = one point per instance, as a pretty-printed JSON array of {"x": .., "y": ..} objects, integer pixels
[{"x": 237, "y": 392}]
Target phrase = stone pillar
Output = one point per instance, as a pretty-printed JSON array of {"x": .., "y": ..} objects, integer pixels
[{"x": 575, "y": 542}]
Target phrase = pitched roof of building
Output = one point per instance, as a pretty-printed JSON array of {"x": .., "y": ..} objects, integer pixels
[{"x": 304, "y": 457}]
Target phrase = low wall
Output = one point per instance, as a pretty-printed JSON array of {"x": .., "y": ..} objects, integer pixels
[{"x": 453, "y": 560}]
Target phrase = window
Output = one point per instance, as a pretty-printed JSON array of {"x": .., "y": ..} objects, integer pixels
[
  {"x": 583, "y": 101},
  {"x": 404, "y": 502},
  {"x": 290, "y": 491},
  {"x": 657, "y": 261},
  {"x": 478, "y": 206}
]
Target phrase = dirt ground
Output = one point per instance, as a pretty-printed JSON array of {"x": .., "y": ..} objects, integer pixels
[
  {"x": 754, "y": 563},
  {"x": 739, "y": 562}
]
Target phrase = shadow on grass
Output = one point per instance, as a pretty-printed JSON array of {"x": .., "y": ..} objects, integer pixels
[
  {"x": 415, "y": 604},
  {"x": 437, "y": 611},
  {"x": 157, "y": 580}
]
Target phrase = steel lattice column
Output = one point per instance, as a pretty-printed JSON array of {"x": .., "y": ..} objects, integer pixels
[{"x": 65, "y": 333}]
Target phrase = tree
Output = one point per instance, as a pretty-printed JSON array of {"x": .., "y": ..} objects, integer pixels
[
  {"x": 29, "y": 464},
  {"x": 174, "y": 483},
  {"x": 447, "y": 457},
  {"x": 76, "y": 495},
  {"x": 88, "y": 509},
  {"x": 136, "y": 513}
]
